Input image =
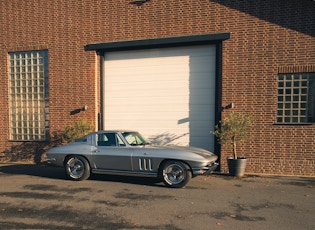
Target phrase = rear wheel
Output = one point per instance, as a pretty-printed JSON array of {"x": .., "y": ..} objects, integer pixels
[
  {"x": 77, "y": 168},
  {"x": 175, "y": 174}
]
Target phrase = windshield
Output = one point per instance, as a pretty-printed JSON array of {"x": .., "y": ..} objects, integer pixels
[{"x": 134, "y": 138}]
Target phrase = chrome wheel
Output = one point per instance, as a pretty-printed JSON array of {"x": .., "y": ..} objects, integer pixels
[
  {"x": 77, "y": 168},
  {"x": 176, "y": 174}
]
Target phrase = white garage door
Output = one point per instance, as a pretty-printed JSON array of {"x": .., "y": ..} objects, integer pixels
[{"x": 166, "y": 94}]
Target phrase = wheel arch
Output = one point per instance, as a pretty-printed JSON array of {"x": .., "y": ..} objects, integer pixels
[
  {"x": 74, "y": 154},
  {"x": 186, "y": 164}
]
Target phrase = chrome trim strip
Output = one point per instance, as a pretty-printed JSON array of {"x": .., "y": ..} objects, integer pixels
[
  {"x": 125, "y": 173},
  {"x": 140, "y": 164}
]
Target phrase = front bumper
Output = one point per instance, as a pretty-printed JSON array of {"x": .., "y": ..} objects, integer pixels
[
  {"x": 205, "y": 170},
  {"x": 50, "y": 161}
]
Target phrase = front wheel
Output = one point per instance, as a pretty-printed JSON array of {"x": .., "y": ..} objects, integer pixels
[
  {"x": 175, "y": 174},
  {"x": 77, "y": 168}
]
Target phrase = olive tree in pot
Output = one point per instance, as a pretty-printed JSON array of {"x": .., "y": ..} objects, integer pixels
[{"x": 233, "y": 130}]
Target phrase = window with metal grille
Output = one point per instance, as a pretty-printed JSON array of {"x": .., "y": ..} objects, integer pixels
[
  {"x": 296, "y": 98},
  {"x": 29, "y": 112}
]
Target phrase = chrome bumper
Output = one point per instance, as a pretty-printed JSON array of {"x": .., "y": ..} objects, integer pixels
[
  {"x": 205, "y": 170},
  {"x": 50, "y": 161}
]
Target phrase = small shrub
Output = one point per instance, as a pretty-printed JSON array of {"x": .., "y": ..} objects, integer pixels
[{"x": 77, "y": 130}]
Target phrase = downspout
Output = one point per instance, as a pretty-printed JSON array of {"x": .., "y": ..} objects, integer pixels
[
  {"x": 102, "y": 87},
  {"x": 218, "y": 96}
]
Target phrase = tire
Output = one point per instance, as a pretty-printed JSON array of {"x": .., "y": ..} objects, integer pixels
[
  {"x": 77, "y": 168},
  {"x": 175, "y": 174}
]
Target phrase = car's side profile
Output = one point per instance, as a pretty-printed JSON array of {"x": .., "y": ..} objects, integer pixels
[{"x": 128, "y": 153}]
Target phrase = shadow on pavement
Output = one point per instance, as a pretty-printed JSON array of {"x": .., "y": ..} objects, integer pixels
[
  {"x": 284, "y": 180},
  {"x": 149, "y": 181},
  {"x": 296, "y": 181},
  {"x": 59, "y": 174},
  {"x": 32, "y": 170}
]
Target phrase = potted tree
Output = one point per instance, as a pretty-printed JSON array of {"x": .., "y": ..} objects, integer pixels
[{"x": 233, "y": 130}]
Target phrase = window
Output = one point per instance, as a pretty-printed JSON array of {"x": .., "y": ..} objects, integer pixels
[
  {"x": 134, "y": 138},
  {"x": 109, "y": 139},
  {"x": 29, "y": 112},
  {"x": 106, "y": 139},
  {"x": 296, "y": 98}
]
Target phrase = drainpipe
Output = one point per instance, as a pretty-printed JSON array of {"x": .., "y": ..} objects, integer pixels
[
  {"x": 218, "y": 99},
  {"x": 102, "y": 87}
]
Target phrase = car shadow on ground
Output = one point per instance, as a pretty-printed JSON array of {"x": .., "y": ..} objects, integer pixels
[
  {"x": 58, "y": 173},
  {"x": 32, "y": 170},
  {"x": 45, "y": 171},
  {"x": 149, "y": 181}
]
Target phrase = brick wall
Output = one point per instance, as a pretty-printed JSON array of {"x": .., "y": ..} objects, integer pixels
[{"x": 266, "y": 37}]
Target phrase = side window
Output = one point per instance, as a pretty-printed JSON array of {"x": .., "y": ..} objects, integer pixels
[{"x": 106, "y": 139}]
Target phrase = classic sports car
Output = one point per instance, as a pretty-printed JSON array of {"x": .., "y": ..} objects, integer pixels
[{"x": 128, "y": 153}]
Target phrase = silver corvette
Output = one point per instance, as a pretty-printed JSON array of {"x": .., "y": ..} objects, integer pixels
[{"x": 128, "y": 153}]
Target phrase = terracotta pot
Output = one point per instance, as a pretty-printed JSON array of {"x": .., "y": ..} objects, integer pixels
[{"x": 237, "y": 166}]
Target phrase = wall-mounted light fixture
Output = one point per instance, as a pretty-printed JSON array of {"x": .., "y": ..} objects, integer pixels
[
  {"x": 139, "y": 2},
  {"x": 85, "y": 108},
  {"x": 229, "y": 106}
]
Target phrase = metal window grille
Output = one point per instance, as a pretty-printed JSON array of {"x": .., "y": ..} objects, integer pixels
[
  {"x": 296, "y": 98},
  {"x": 29, "y": 112}
]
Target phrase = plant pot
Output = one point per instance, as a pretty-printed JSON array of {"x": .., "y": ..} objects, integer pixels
[{"x": 237, "y": 166}]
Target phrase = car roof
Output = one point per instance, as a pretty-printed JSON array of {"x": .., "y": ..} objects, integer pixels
[{"x": 114, "y": 131}]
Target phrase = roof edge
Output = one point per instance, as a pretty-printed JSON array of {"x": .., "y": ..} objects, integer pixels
[{"x": 159, "y": 42}]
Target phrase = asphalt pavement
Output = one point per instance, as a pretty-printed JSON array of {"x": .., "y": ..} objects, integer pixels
[{"x": 39, "y": 197}]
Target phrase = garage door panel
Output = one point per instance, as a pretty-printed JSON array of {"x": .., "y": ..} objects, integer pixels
[
  {"x": 131, "y": 99},
  {"x": 166, "y": 94},
  {"x": 148, "y": 69},
  {"x": 152, "y": 115},
  {"x": 143, "y": 62},
  {"x": 202, "y": 77},
  {"x": 150, "y": 74},
  {"x": 157, "y": 87}
]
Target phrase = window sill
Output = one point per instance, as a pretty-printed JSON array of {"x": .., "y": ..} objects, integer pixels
[{"x": 294, "y": 124}]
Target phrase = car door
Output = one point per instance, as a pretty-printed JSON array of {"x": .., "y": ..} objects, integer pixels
[{"x": 111, "y": 153}]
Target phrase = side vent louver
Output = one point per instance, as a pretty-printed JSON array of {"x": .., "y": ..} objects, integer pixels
[{"x": 145, "y": 164}]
